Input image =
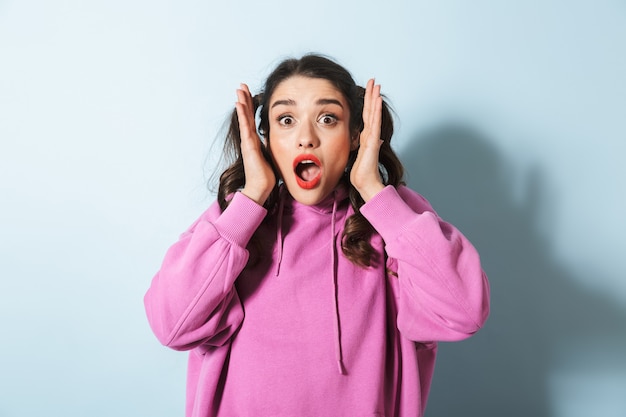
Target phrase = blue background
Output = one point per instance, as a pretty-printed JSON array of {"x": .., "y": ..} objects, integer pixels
[{"x": 511, "y": 122}]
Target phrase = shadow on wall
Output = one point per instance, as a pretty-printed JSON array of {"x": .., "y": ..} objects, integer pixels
[{"x": 542, "y": 323}]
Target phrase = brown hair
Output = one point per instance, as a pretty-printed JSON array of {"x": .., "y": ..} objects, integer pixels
[{"x": 355, "y": 240}]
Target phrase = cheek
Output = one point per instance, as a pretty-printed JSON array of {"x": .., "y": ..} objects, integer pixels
[
  {"x": 344, "y": 145},
  {"x": 278, "y": 155}
]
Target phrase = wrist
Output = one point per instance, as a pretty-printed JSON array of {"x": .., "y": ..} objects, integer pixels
[
  {"x": 369, "y": 191},
  {"x": 260, "y": 197}
]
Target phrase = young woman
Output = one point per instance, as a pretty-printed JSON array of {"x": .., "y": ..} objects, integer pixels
[{"x": 317, "y": 284}]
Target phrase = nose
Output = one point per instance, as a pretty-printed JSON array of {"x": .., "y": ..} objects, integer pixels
[{"x": 307, "y": 137}]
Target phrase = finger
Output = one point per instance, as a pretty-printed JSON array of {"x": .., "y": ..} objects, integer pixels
[
  {"x": 245, "y": 113},
  {"x": 366, "y": 112},
  {"x": 250, "y": 103},
  {"x": 242, "y": 117},
  {"x": 374, "y": 97},
  {"x": 244, "y": 97},
  {"x": 248, "y": 98},
  {"x": 249, "y": 142},
  {"x": 372, "y": 93},
  {"x": 372, "y": 119},
  {"x": 367, "y": 100},
  {"x": 377, "y": 112}
]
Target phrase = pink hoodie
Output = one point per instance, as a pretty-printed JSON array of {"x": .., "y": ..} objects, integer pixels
[{"x": 302, "y": 331}]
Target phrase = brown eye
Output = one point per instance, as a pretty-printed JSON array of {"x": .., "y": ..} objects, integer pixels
[
  {"x": 285, "y": 120},
  {"x": 328, "y": 119}
]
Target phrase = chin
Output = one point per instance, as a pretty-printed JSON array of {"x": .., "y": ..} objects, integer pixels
[
  {"x": 307, "y": 200},
  {"x": 307, "y": 197}
]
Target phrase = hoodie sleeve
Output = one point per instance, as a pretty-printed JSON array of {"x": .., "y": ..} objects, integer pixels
[
  {"x": 192, "y": 299},
  {"x": 443, "y": 291}
]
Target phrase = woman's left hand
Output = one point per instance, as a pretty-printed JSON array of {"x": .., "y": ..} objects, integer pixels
[{"x": 364, "y": 175}]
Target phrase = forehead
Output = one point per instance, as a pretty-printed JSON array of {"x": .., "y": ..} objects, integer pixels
[{"x": 306, "y": 90}]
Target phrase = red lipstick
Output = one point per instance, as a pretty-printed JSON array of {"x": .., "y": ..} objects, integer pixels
[{"x": 308, "y": 171}]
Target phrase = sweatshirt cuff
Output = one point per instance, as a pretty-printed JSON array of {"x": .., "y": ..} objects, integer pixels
[
  {"x": 388, "y": 213},
  {"x": 240, "y": 219}
]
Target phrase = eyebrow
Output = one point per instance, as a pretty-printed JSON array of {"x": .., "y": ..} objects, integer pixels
[
  {"x": 284, "y": 103},
  {"x": 320, "y": 102},
  {"x": 323, "y": 101}
]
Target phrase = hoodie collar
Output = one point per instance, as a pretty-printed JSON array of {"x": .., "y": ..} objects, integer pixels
[{"x": 325, "y": 206}]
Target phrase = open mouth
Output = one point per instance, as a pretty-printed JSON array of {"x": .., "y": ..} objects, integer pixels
[{"x": 308, "y": 170}]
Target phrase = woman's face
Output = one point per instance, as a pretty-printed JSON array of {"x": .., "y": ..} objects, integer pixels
[{"x": 309, "y": 125}]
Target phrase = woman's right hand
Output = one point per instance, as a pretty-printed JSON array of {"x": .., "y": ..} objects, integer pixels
[{"x": 260, "y": 178}]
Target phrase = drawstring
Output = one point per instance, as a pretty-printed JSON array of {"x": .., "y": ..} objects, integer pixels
[
  {"x": 336, "y": 323},
  {"x": 279, "y": 232}
]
